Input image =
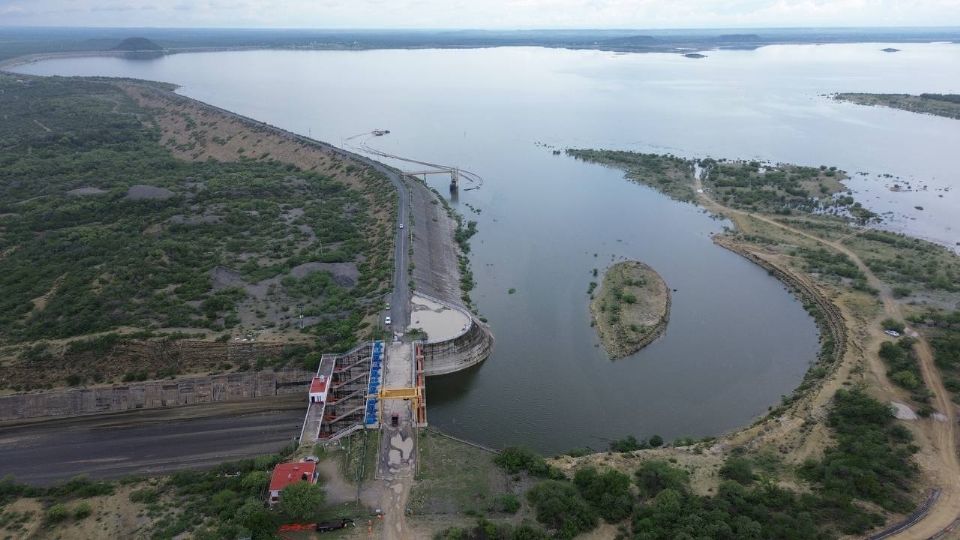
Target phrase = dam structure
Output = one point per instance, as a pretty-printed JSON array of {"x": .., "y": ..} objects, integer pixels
[
  {"x": 455, "y": 339},
  {"x": 377, "y": 385}
]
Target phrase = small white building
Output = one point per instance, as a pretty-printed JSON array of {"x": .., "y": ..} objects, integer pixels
[{"x": 318, "y": 389}]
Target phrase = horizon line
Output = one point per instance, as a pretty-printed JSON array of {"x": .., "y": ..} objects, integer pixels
[{"x": 485, "y": 29}]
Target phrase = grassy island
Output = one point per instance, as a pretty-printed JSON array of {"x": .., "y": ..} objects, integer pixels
[
  {"x": 631, "y": 309},
  {"x": 946, "y": 105}
]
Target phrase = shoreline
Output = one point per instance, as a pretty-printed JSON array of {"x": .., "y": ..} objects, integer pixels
[{"x": 350, "y": 155}]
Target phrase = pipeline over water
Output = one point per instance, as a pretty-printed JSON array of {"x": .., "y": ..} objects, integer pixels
[{"x": 363, "y": 146}]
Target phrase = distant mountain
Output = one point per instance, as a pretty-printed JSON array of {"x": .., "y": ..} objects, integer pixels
[{"x": 137, "y": 44}]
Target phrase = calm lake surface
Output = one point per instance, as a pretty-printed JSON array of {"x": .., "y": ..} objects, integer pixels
[{"x": 737, "y": 340}]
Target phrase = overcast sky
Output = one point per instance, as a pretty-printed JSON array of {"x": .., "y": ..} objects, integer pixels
[{"x": 480, "y": 13}]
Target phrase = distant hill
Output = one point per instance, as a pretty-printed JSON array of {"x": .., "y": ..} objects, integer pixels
[
  {"x": 137, "y": 44},
  {"x": 739, "y": 38},
  {"x": 628, "y": 41}
]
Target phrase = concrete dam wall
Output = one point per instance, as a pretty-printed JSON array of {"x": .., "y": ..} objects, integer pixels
[
  {"x": 466, "y": 349},
  {"x": 153, "y": 394}
]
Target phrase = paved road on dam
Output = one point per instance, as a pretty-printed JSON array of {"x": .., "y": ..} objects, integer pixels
[
  {"x": 148, "y": 441},
  {"x": 400, "y": 307}
]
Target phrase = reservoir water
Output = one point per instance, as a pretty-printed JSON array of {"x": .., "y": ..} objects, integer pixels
[{"x": 737, "y": 341}]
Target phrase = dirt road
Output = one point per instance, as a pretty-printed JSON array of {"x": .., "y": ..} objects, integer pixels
[
  {"x": 939, "y": 459},
  {"x": 397, "y": 457}
]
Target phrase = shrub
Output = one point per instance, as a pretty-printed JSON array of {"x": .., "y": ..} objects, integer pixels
[
  {"x": 82, "y": 510},
  {"x": 901, "y": 292},
  {"x": 57, "y": 513},
  {"x": 656, "y": 475},
  {"x": 608, "y": 492},
  {"x": 515, "y": 459},
  {"x": 558, "y": 506},
  {"x": 905, "y": 379},
  {"x": 890, "y": 324},
  {"x": 145, "y": 496},
  {"x": 507, "y": 502},
  {"x": 739, "y": 470},
  {"x": 628, "y": 444},
  {"x": 255, "y": 481}
]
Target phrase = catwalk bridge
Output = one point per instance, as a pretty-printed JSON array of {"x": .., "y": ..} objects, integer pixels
[{"x": 360, "y": 143}]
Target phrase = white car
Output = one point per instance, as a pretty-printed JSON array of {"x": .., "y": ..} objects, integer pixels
[
  {"x": 401, "y": 225},
  {"x": 386, "y": 321},
  {"x": 892, "y": 333}
]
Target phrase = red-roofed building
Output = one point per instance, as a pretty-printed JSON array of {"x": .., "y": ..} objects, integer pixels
[
  {"x": 318, "y": 389},
  {"x": 285, "y": 474}
]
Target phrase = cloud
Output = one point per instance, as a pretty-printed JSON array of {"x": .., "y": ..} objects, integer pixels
[{"x": 481, "y": 13}]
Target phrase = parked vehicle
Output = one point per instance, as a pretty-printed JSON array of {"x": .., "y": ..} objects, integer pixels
[{"x": 334, "y": 525}]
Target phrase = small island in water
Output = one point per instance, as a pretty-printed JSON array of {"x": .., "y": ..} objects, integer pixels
[{"x": 631, "y": 308}]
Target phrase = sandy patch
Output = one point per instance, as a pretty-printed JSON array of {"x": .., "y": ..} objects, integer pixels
[
  {"x": 344, "y": 274},
  {"x": 29, "y": 517},
  {"x": 85, "y": 191},
  {"x": 222, "y": 277},
  {"x": 437, "y": 320},
  {"x": 903, "y": 411}
]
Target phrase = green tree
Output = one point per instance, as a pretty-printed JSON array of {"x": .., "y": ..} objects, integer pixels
[
  {"x": 255, "y": 481},
  {"x": 656, "y": 475},
  {"x": 257, "y": 519},
  {"x": 608, "y": 492},
  {"x": 738, "y": 469},
  {"x": 560, "y": 507},
  {"x": 301, "y": 501}
]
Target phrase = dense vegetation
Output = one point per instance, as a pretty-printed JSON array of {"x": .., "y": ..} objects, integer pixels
[
  {"x": 869, "y": 462},
  {"x": 908, "y": 263},
  {"x": 752, "y": 185},
  {"x": 226, "y": 502},
  {"x": 943, "y": 331},
  {"x": 747, "y": 185},
  {"x": 904, "y": 370},
  {"x": 947, "y": 105},
  {"x": 670, "y": 174},
  {"x": 102, "y": 228}
]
